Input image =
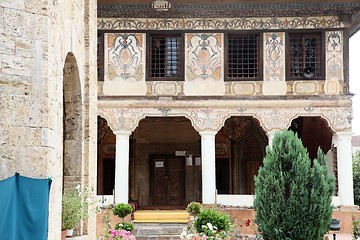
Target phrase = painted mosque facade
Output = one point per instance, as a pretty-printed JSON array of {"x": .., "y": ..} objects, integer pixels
[
  {"x": 187, "y": 105},
  {"x": 167, "y": 102}
]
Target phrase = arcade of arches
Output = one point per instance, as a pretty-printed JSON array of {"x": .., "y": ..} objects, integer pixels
[{"x": 165, "y": 157}]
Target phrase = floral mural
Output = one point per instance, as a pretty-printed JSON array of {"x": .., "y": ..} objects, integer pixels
[
  {"x": 274, "y": 56},
  {"x": 204, "y": 56},
  {"x": 125, "y": 56}
]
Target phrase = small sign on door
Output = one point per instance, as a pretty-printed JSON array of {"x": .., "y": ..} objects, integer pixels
[{"x": 159, "y": 164}]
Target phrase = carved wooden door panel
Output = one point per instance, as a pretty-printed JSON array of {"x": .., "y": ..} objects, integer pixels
[
  {"x": 252, "y": 168},
  {"x": 167, "y": 181}
]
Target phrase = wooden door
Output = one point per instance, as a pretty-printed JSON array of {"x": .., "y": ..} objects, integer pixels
[
  {"x": 252, "y": 168},
  {"x": 167, "y": 180}
]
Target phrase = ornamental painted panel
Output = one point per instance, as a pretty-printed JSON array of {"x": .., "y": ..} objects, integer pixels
[
  {"x": 243, "y": 88},
  {"x": 124, "y": 64},
  {"x": 274, "y": 69},
  {"x": 206, "y": 119},
  {"x": 334, "y": 56},
  {"x": 204, "y": 56},
  {"x": 165, "y": 88},
  {"x": 274, "y": 64},
  {"x": 124, "y": 56},
  {"x": 305, "y": 88}
]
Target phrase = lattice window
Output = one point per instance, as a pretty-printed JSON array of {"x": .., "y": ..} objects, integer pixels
[
  {"x": 243, "y": 57},
  {"x": 165, "y": 57},
  {"x": 305, "y": 56}
]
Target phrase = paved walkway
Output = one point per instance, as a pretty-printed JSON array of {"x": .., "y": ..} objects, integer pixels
[{"x": 340, "y": 236}]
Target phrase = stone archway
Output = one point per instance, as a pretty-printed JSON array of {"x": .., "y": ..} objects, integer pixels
[
  {"x": 72, "y": 124},
  {"x": 163, "y": 153},
  {"x": 240, "y": 149},
  {"x": 314, "y": 133}
]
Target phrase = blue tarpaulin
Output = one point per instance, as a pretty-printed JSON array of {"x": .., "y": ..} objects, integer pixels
[{"x": 24, "y": 208}]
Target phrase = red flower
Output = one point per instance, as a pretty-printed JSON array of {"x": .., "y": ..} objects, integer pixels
[{"x": 247, "y": 222}]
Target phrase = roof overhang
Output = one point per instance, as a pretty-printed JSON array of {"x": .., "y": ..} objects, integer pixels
[{"x": 347, "y": 10}]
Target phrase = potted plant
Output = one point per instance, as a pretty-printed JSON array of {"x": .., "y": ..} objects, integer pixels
[
  {"x": 75, "y": 207},
  {"x": 194, "y": 208},
  {"x": 122, "y": 210}
]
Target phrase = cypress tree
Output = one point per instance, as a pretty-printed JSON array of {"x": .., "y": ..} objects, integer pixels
[{"x": 293, "y": 194}]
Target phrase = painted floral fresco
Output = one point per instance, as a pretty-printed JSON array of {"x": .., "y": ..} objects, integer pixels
[
  {"x": 204, "y": 54},
  {"x": 125, "y": 56}
]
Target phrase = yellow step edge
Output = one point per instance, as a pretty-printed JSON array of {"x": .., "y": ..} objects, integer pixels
[
  {"x": 161, "y": 221},
  {"x": 159, "y": 216}
]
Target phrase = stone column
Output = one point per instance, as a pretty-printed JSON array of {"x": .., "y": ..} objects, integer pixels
[
  {"x": 208, "y": 166},
  {"x": 344, "y": 162},
  {"x": 122, "y": 166},
  {"x": 271, "y": 137}
]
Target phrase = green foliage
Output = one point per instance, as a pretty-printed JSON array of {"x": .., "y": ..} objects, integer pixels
[
  {"x": 122, "y": 210},
  {"x": 356, "y": 231},
  {"x": 194, "y": 208},
  {"x": 218, "y": 220},
  {"x": 293, "y": 194},
  {"x": 356, "y": 177},
  {"x": 125, "y": 225},
  {"x": 75, "y": 207}
]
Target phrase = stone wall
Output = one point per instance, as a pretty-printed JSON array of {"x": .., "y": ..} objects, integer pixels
[{"x": 36, "y": 37}]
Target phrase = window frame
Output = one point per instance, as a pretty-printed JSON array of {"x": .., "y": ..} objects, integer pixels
[
  {"x": 321, "y": 55},
  {"x": 259, "y": 46},
  {"x": 149, "y": 56}
]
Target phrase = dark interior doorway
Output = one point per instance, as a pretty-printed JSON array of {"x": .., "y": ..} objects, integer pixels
[{"x": 167, "y": 180}]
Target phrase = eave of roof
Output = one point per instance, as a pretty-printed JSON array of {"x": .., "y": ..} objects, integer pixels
[{"x": 348, "y": 10}]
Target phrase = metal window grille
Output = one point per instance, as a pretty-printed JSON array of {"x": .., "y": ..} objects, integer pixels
[
  {"x": 243, "y": 56},
  {"x": 165, "y": 57},
  {"x": 305, "y": 52}
]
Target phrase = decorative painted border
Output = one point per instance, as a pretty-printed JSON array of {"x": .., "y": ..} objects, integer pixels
[
  {"x": 212, "y": 119},
  {"x": 219, "y": 23}
]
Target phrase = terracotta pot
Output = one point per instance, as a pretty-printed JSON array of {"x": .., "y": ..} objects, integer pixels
[{"x": 63, "y": 235}]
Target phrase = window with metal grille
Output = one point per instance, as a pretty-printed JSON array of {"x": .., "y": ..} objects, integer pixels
[
  {"x": 243, "y": 57},
  {"x": 305, "y": 56},
  {"x": 165, "y": 57}
]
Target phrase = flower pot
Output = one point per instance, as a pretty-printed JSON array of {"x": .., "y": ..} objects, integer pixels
[
  {"x": 69, "y": 233},
  {"x": 63, "y": 235}
]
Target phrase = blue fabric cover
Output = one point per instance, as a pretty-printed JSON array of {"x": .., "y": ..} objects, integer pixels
[{"x": 24, "y": 204}]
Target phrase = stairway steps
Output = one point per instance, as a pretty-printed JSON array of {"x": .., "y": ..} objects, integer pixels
[{"x": 158, "y": 231}]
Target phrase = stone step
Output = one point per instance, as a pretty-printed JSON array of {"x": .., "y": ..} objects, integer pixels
[
  {"x": 159, "y": 238},
  {"x": 158, "y": 231}
]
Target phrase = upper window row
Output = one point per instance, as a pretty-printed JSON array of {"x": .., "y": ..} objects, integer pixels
[{"x": 243, "y": 56}]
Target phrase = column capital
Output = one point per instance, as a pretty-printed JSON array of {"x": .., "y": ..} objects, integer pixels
[
  {"x": 210, "y": 133},
  {"x": 122, "y": 132},
  {"x": 271, "y": 135},
  {"x": 345, "y": 136}
]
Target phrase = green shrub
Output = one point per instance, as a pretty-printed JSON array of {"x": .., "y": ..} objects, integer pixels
[
  {"x": 217, "y": 219},
  {"x": 293, "y": 194},
  {"x": 122, "y": 210},
  {"x": 194, "y": 208},
  {"x": 356, "y": 177},
  {"x": 124, "y": 225},
  {"x": 75, "y": 206}
]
